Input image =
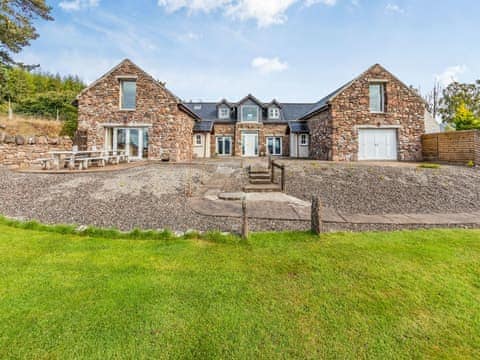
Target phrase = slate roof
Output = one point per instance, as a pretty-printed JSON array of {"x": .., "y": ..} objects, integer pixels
[
  {"x": 207, "y": 111},
  {"x": 324, "y": 102},
  {"x": 298, "y": 127},
  {"x": 203, "y": 126}
]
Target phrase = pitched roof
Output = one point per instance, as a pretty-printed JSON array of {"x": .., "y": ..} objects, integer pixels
[
  {"x": 325, "y": 101},
  {"x": 288, "y": 111},
  {"x": 155, "y": 81},
  {"x": 298, "y": 127},
  {"x": 203, "y": 126}
]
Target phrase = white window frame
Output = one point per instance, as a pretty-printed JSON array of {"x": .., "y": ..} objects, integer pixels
[
  {"x": 225, "y": 115},
  {"x": 382, "y": 97},
  {"x": 303, "y": 139},
  {"x": 216, "y": 145},
  {"x": 249, "y": 106},
  {"x": 197, "y": 138},
  {"x": 281, "y": 145},
  {"x": 121, "y": 81},
  {"x": 273, "y": 113}
]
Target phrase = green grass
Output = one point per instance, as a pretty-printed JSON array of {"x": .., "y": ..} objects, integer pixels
[{"x": 286, "y": 295}]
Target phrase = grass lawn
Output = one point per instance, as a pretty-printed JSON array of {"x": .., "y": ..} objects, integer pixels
[{"x": 287, "y": 295}]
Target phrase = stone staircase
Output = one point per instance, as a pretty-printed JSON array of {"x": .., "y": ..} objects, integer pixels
[{"x": 260, "y": 181}]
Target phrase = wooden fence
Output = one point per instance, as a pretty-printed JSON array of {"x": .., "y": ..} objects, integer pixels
[{"x": 452, "y": 146}]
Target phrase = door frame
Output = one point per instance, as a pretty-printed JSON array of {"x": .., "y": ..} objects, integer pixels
[
  {"x": 384, "y": 127},
  {"x": 255, "y": 150},
  {"x": 114, "y": 139}
]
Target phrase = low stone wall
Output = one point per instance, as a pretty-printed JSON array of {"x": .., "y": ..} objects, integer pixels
[
  {"x": 20, "y": 151},
  {"x": 452, "y": 146}
]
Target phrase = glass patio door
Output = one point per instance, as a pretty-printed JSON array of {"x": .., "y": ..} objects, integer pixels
[{"x": 134, "y": 141}]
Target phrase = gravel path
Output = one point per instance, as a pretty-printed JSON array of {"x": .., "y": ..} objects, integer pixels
[
  {"x": 154, "y": 196},
  {"x": 380, "y": 189}
]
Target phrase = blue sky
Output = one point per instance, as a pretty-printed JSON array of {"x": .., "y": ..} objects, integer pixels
[{"x": 291, "y": 50}]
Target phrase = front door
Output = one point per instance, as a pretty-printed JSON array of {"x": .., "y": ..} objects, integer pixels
[{"x": 249, "y": 144}]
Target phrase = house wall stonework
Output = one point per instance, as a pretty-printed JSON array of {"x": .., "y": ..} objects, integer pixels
[
  {"x": 321, "y": 129},
  {"x": 351, "y": 108},
  {"x": 170, "y": 134}
]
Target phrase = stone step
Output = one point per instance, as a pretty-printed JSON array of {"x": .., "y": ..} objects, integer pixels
[
  {"x": 262, "y": 188},
  {"x": 260, "y": 176},
  {"x": 259, "y": 171},
  {"x": 260, "y": 181}
]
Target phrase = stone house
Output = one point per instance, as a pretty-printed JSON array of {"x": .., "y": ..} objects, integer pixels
[{"x": 373, "y": 117}]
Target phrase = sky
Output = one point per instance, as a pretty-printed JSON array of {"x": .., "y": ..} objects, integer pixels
[{"x": 290, "y": 50}]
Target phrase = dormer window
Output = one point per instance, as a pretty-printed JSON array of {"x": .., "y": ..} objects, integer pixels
[
  {"x": 273, "y": 113},
  {"x": 249, "y": 113},
  {"x": 224, "y": 113},
  {"x": 128, "y": 94}
]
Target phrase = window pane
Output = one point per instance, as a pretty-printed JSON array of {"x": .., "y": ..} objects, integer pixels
[
  {"x": 277, "y": 146},
  {"x": 129, "y": 90},
  {"x": 270, "y": 145},
  {"x": 249, "y": 113},
  {"x": 227, "y": 142},
  {"x": 376, "y": 97},
  {"x": 145, "y": 143},
  {"x": 220, "y": 146}
]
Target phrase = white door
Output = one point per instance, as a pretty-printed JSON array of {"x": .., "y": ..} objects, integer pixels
[
  {"x": 377, "y": 144},
  {"x": 249, "y": 144}
]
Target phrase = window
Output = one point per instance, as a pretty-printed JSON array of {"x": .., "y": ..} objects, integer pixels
[
  {"x": 128, "y": 92},
  {"x": 198, "y": 139},
  {"x": 197, "y": 107},
  {"x": 274, "y": 145},
  {"x": 224, "y": 113},
  {"x": 377, "y": 98},
  {"x": 273, "y": 113},
  {"x": 249, "y": 113},
  {"x": 303, "y": 139},
  {"x": 224, "y": 145}
]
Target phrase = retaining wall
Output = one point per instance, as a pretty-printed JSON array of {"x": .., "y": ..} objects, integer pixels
[{"x": 21, "y": 151}]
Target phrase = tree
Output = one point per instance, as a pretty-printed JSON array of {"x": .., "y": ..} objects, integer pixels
[
  {"x": 464, "y": 119},
  {"x": 16, "y": 26},
  {"x": 457, "y": 95},
  {"x": 433, "y": 99}
]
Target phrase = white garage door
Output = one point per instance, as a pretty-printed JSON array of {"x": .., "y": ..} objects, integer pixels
[{"x": 377, "y": 144}]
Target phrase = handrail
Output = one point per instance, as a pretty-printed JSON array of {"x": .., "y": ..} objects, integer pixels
[{"x": 274, "y": 165}]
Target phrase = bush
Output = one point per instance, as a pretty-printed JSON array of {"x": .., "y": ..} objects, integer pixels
[{"x": 429, "y": 166}]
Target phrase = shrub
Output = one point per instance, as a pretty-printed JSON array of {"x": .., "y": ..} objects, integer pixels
[{"x": 429, "y": 166}]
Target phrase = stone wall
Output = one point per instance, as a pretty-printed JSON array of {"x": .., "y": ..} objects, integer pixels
[
  {"x": 351, "y": 108},
  {"x": 452, "y": 146},
  {"x": 264, "y": 130},
  {"x": 170, "y": 129},
  {"x": 20, "y": 152},
  {"x": 320, "y": 126}
]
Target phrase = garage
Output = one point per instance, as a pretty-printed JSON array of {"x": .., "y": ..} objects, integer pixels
[{"x": 377, "y": 144}]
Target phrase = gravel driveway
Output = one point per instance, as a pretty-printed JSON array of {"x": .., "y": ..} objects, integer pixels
[
  {"x": 358, "y": 188},
  {"x": 154, "y": 196}
]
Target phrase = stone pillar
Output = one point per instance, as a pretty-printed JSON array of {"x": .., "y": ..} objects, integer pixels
[{"x": 316, "y": 216}]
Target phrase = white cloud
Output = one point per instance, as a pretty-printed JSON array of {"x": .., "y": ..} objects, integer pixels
[
  {"x": 264, "y": 12},
  {"x": 189, "y": 36},
  {"x": 266, "y": 65},
  {"x": 450, "y": 74},
  {"x": 75, "y": 5},
  {"x": 394, "y": 8}
]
